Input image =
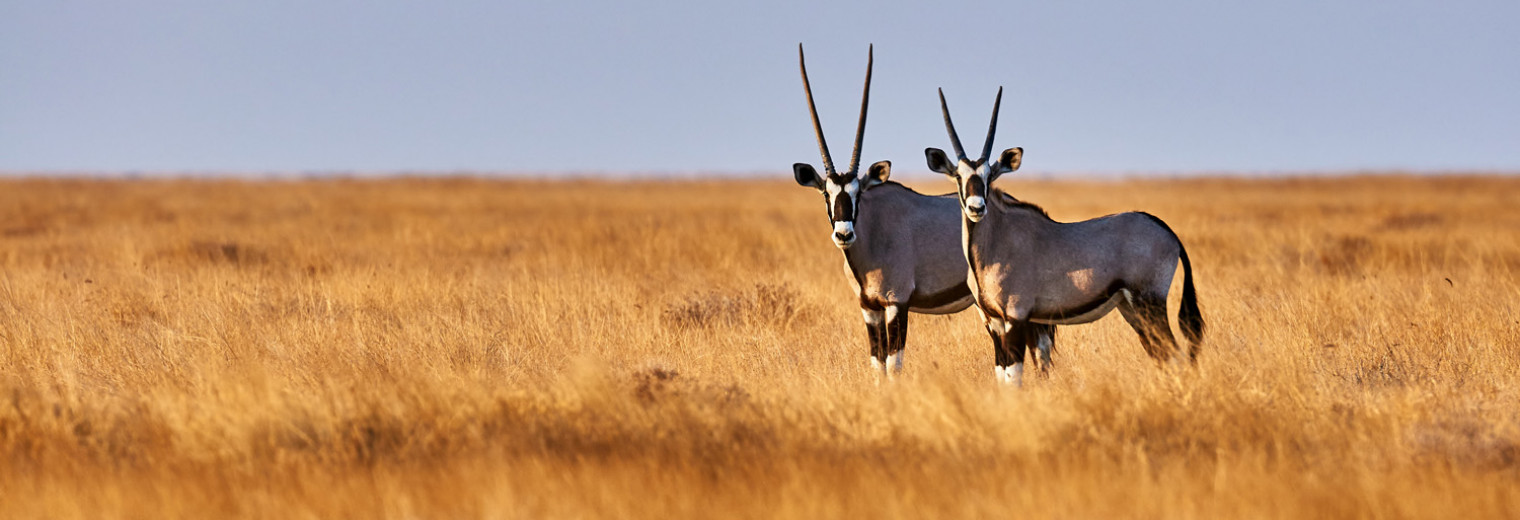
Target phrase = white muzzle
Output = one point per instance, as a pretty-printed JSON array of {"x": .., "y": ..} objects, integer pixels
[
  {"x": 975, "y": 208},
  {"x": 844, "y": 234}
]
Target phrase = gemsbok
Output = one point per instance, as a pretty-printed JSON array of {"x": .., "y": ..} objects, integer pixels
[
  {"x": 899, "y": 245},
  {"x": 1028, "y": 271}
]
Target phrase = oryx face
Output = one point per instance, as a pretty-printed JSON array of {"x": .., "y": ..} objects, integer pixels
[
  {"x": 973, "y": 178},
  {"x": 841, "y": 190},
  {"x": 841, "y": 195}
]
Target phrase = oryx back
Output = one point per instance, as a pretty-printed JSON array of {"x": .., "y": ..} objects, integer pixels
[{"x": 1067, "y": 273}]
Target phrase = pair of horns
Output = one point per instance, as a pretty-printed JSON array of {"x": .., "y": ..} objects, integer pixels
[
  {"x": 960, "y": 153},
  {"x": 860, "y": 130}
]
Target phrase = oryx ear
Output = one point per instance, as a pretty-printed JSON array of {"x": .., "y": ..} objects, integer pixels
[
  {"x": 806, "y": 176},
  {"x": 878, "y": 173},
  {"x": 938, "y": 162},
  {"x": 1009, "y": 161}
]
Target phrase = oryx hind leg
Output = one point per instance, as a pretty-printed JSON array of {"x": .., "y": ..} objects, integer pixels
[
  {"x": 1146, "y": 313},
  {"x": 1042, "y": 338}
]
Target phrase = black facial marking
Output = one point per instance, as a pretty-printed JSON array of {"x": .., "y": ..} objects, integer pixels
[
  {"x": 976, "y": 186},
  {"x": 844, "y": 210}
]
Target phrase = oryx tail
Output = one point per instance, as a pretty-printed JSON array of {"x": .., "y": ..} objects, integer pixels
[{"x": 1189, "y": 317}]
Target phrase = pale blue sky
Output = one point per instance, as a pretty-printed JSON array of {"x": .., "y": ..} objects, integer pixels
[{"x": 260, "y": 86}]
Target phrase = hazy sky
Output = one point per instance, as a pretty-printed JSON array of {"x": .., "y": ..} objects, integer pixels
[{"x": 255, "y": 86}]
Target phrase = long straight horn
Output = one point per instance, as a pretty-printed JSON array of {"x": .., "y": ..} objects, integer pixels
[
  {"x": 865, "y": 100},
  {"x": 955, "y": 140},
  {"x": 823, "y": 146},
  {"x": 992, "y": 127}
]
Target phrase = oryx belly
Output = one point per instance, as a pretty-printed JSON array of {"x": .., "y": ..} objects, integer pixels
[
  {"x": 940, "y": 300},
  {"x": 948, "y": 308},
  {"x": 1085, "y": 316},
  {"x": 1068, "y": 298}
]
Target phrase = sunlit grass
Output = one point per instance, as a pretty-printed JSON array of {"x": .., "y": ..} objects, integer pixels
[{"x": 443, "y": 348}]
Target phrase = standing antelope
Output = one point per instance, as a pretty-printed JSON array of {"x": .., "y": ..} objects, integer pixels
[
  {"x": 899, "y": 245},
  {"x": 1029, "y": 272}
]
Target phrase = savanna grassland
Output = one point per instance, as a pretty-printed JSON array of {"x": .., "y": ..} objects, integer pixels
[{"x": 459, "y": 348}]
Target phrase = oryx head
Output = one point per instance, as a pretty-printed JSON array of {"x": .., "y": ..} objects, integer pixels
[
  {"x": 973, "y": 178},
  {"x": 841, "y": 190}
]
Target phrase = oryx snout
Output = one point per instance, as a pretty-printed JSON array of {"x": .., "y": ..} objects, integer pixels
[
  {"x": 976, "y": 208},
  {"x": 844, "y": 234}
]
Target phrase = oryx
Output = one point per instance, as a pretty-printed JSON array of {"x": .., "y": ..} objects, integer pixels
[
  {"x": 899, "y": 245},
  {"x": 1028, "y": 271}
]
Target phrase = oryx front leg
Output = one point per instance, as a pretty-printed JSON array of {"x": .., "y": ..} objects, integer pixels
[
  {"x": 896, "y": 318},
  {"x": 1008, "y": 351},
  {"x": 876, "y": 333}
]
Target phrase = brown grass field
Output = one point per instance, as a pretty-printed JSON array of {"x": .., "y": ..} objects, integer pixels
[{"x": 460, "y": 348}]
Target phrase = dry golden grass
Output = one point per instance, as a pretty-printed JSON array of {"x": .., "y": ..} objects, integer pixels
[{"x": 466, "y": 348}]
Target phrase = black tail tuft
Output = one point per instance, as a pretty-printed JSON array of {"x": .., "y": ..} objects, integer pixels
[
  {"x": 1188, "y": 315},
  {"x": 1190, "y": 318}
]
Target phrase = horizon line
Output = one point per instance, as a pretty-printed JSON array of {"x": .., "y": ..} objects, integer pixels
[{"x": 688, "y": 175}]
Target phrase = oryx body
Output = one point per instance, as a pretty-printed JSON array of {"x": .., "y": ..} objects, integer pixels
[
  {"x": 1028, "y": 272},
  {"x": 900, "y": 249},
  {"x": 903, "y": 260}
]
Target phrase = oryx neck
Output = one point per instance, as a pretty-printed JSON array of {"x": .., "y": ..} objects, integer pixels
[{"x": 1002, "y": 202}]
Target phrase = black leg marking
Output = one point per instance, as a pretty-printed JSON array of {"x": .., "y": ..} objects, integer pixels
[
  {"x": 999, "y": 354},
  {"x": 1036, "y": 331},
  {"x": 1016, "y": 341},
  {"x": 897, "y": 330},
  {"x": 876, "y": 335},
  {"x": 1147, "y": 315},
  {"x": 1011, "y": 345}
]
